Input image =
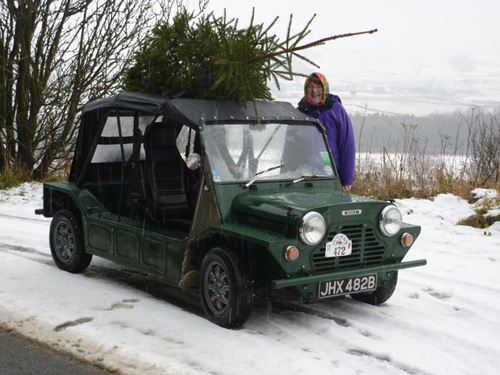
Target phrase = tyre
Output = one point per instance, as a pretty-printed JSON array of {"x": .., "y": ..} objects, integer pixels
[
  {"x": 226, "y": 288},
  {"x": 66, "y": 243},
  {"x": 380, "y": 295}
]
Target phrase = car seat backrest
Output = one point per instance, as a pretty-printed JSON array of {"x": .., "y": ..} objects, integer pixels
[{"x": 164, "y": 173}]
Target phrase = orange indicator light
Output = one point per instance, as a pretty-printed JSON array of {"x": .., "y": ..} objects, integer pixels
[
  {"x": 406, "y": 239},
  {"x": 291, "y": 253}
]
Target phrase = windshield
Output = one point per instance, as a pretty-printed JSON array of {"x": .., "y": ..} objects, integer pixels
[{"x": 267, "y": 151}]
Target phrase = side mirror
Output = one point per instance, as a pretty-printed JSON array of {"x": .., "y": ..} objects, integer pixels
[{"x": 193, "y": 161}]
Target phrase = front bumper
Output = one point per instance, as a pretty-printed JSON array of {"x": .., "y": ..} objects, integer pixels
[{"x": 314, "y": 279}]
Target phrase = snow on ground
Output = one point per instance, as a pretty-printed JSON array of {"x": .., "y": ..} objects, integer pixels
[{"x": 443, "y": 318}]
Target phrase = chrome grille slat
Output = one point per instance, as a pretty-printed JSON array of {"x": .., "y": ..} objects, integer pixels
[{"x": 366, "y": 250}]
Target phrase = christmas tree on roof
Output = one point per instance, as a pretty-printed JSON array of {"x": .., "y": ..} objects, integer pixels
[{"x": 211, "y": 57}]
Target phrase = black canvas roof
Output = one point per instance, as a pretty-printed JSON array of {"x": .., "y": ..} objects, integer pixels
[
  {"x": 197, "y": 111},
  {"x": 181, "y": 111},
  {"x": 193, "y": 112},
  {"x": 127, "y": 100}
]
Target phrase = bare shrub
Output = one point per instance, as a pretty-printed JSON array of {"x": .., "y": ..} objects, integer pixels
[
  {"x": 402, "y": 173},
  {"x": 410, "y": 170},
  {"x": 485, "y": 158}
]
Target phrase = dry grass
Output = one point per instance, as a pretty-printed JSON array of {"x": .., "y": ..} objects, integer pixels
[
  {"x": 11, "y": 177},
  {"x": 396, "y": 177}
]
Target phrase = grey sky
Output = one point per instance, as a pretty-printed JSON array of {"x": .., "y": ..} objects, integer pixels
[{"x": 427, "y": 56}]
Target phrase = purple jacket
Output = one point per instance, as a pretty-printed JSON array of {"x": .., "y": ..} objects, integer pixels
[{"x": 339, "y": 132}]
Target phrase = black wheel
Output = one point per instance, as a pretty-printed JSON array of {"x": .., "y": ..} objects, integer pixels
[
  {"x": 66, "y": 243},
  {"x": 380, "y": 295},
  {"x": 226, "y": 288}
]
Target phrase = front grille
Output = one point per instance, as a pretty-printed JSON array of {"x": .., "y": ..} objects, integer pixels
[{"x": 366, "y": 250}]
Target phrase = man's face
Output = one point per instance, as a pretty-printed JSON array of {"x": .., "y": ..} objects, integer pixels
[{"x": 314, "y": 93}]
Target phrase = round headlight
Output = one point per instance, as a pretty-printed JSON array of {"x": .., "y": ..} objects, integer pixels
[
  {"x": 390, "y": 221},
  {"x": 313, "y": 228}
]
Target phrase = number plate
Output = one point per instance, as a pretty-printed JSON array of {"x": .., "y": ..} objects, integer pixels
[
  {"x": 350, "y": 285},
  {"x": 340, "y": 246}
]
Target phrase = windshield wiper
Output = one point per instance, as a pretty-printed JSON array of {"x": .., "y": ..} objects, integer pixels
[
  {"x": 262, "y": 172},
  {"x": 306, "y": 176},
  {"x": 316, "y": 176}
]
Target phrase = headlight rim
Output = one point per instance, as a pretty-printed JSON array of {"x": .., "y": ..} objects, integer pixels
[
  {"x": 305, "y": 219},
  {"x": 383, "y": 215}
]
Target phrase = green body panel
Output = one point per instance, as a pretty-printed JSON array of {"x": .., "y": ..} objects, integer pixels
[
  {"x": 278, "y": 192},
  {"x": 206, "y": 212},
  {"x": 139, "y": 244},
  {"x": 143, "y": 247}
]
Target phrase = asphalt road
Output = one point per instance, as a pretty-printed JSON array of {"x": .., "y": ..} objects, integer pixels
[{"x": 20, "y": 356}]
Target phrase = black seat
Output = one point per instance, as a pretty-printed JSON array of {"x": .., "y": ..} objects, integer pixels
[{"x": 164, "y": 177}]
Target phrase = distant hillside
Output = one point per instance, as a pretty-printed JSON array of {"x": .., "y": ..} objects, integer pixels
[{"x": 434, "y": 133}]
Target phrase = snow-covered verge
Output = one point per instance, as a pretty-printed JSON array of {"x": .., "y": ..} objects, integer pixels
[{"x": 443, "y": 318}]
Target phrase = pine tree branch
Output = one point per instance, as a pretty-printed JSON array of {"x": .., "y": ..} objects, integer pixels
[{"x": 295, "y": 49}]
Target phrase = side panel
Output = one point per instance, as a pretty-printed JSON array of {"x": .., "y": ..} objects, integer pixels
[
  {"x": 123, "y": 242},
  {"x": 99, "y": 238}
]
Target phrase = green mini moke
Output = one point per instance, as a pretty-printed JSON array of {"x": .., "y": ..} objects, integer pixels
[{"x": 208, "y": 196}]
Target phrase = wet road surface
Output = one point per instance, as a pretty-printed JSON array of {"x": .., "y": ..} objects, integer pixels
[{"x": 20, "y": 356}]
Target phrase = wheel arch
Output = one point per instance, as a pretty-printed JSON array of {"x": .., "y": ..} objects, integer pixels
[
  {"x": 55, "y": 200},
  {"x": 199, "y": 246}
]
